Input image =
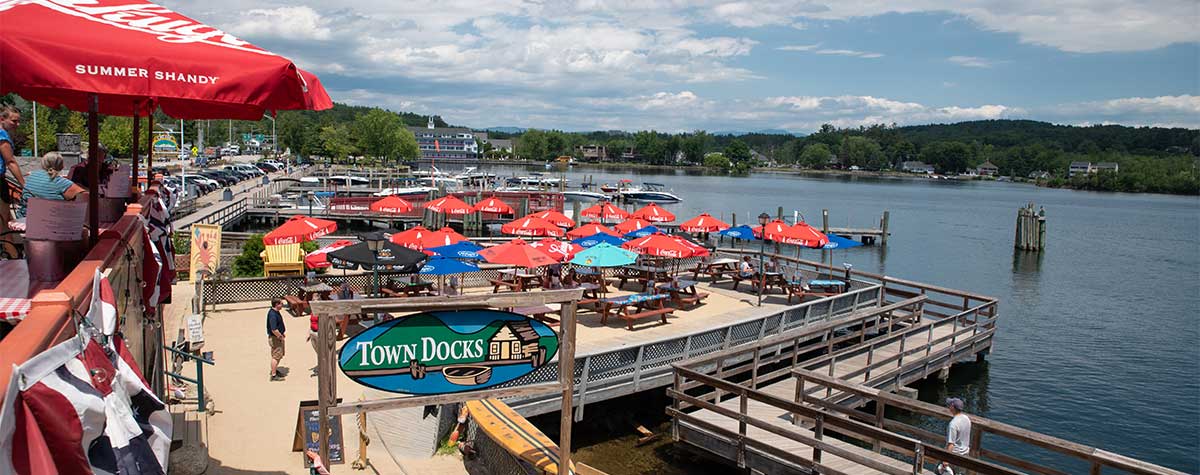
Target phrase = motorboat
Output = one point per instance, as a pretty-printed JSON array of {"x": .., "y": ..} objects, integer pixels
[
  {"x": 584, "y": 196},
  {"x": 406, "y": 191},
  {"x": 649, "y": 193}
]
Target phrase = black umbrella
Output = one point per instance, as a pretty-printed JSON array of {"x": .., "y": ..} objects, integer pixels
[{"x": 390, "y": 257}]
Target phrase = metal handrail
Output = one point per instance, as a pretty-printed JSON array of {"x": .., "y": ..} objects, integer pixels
[{"x": 199, "y": 381}]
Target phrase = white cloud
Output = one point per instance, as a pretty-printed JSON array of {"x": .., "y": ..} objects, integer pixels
[
  {"x": 293, "y": 23},
  {"x": 1161, "y": 111},
  {"x": 799, "y": 47},
  {"x": 971, "y": 61},
  {"x": 849, "y": 52}
]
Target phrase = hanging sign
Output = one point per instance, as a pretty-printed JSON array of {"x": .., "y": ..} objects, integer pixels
[{"x": 447, "y": 352}]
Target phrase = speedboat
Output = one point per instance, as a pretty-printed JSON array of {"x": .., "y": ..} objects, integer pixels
[
  {"x": 406, "y": 191},
  {"x": 648, "y": 192},
  {"x": 584, "y": 196}
]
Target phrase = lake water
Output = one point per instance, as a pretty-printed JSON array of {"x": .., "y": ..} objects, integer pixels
[{"x": 1098, "y": 340}]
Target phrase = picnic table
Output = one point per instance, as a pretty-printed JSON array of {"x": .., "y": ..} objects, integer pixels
[
  {"x": 817, "y": 288},
  {"x": 683, "y": 292},
  {"x": 827, "y": 285},
  {"x": 772, "y": 279},
  {"x": 590, "y": 275},
  {"x": 515, "y": 280},
  {"x": 643, "y": 274},
  {"x": 540, "y": 312},
  {"x": 17, "y": 290},
  {"x": 716, "y": 268},
  {"x": 642, "y": 305},
  {"x": 406, "y": 289}
]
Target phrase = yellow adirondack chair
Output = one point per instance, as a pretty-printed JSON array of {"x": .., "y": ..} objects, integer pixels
[{"x": 283, "y": 259}]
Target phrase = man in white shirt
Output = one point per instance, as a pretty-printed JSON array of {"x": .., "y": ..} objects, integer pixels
[{"x": 958, "y": 432}]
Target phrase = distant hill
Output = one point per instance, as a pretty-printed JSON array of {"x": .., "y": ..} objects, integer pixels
[
  {"x": 506, "y": 130},
  {"x": 1009, "y": 133}
]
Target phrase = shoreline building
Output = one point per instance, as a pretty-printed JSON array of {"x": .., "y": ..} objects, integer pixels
[
  {"x": 445, "y": 142},
  {"x": 1088, "y": 168}
]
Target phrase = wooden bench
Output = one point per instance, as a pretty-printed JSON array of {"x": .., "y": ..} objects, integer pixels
[
  {"x": 691, "y": 300},
  {"x": 738, "y": 278},
  {"x": 631, "y": 317},
  {"x": 297, "y": 305},
  {"x": 497, "y": 284}
]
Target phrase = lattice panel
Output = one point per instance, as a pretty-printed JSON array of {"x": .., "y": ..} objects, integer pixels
[
  {"x": 707, "y": 342},
  {"x": 612, "y": 364},
  {"x": 663, "y": 352},
  {"x": 744, "y": 332}
]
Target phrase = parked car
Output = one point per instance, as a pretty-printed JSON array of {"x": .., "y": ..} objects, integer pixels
[
  {"x": 203, "y": 183},
  {"x": 225, "y": 179}
]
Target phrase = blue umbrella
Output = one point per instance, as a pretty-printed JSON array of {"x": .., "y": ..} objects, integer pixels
[
  {"x": 597, "y": 239},
  {"x": 646, "y": 231},
  {"x": 740, "y": 232},
  {"x": 604, "y": 255},
  {"x": 446, "y": 266},
  {"x": 460, "y": 250},
  {"x": 838, "y": 242}
]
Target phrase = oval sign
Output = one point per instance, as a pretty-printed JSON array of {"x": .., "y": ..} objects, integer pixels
[{"x": 447, "y": 352}]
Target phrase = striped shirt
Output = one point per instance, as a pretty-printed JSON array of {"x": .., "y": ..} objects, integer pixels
[{"x": 40, "y": 184}]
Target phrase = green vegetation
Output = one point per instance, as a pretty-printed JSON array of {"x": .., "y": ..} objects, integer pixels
[{"x": 249, "y": 263}]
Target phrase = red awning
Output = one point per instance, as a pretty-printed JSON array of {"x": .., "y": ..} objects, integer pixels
[
  {"x": 130, "y": 53},
  {"x": 654, "y": 213},
  {"x": 516, "y": 253},
  {"x": 299, "y": 229},
  {"x": 493, "y": 205},
  {"x": 704, "y": 223},
  {"x": 391, "y": 205}
]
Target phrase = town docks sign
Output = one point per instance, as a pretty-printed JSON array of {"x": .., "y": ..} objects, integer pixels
[{"x": 447, "y": 351}]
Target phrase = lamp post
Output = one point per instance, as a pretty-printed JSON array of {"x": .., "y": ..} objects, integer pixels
[
  {"x": 763, "y": 218},
  {"x": 274, "y": 139},
  {"x": 375, "y": 242}
]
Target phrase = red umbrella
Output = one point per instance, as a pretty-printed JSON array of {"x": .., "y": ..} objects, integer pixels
[
  {"x": 317, "y": 259},
  {"x": 493, "y": 205},
  {"x": 704, "y": 223},
  {"x": 412, "y": 237},
  {"x": 590, "y": 229},
  {"x": 441, "y": 237},
  {"x": 392, "y": 204},
  {"x": 780, "y": 232},
  {"x": 556, "y": 218},
  {"x": 557, "y": 249},
  {"x": 605, "y": 212},
  {"x": 299, "y": 229},
  {"x": 662, "y": 245},
  {"x": 531, "y": 226},
  {"x": 516, "y": 253},
  {"x": 808, "y": 236},
  {"x": 654, "y": 213},
  {"x": 126, "y": 53},
  {"x": 631, "y": 225},
  {"x": 449, "y": 205}
]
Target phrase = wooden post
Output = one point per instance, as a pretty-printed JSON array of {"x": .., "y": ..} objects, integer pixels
[
  {"x": 326, "y": 379},
  {"x": 93, "y": 170},
  {"x": 149, "y": 145},
  {"x": 884, "y": 228},
  {"x": 566, "y": 377}
]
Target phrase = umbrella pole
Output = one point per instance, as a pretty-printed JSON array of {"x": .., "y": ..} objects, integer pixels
[
  {"x": 133, "y": 153},
  {"x": 149, "y": 145},
  {"x": 93, "y": 170}
]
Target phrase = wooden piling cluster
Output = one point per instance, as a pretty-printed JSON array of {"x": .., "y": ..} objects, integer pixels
[{"x": 1031, "y": 228}]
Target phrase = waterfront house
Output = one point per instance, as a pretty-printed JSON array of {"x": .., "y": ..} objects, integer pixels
[
  {"x": 502, "y": 145},
  {"x": 987, "y": 169},
  {"x": 1105, "y": 166},
  {"x": 629, "y": 155},
  {"x": 445, "y": 142},
  {"x": 1088, "y": 168},
  {"x": 591, "y": 152},
  {"x": 1039, "y": 175},
  {"x": 916, "y": 167}
]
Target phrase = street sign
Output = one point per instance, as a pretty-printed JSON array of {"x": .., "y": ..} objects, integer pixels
[{"x": 448, "y": 352}]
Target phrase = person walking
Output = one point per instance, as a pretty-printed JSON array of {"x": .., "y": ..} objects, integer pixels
[
  {"x": 10, "y": 119},
  {"x": 275, "y": 336},
  {"x": 958, "y": 434}
]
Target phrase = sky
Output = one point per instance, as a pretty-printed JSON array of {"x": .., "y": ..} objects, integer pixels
[{"x": 674, "y": 65}]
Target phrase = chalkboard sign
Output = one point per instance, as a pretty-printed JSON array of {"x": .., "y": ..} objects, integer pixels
[
  {"x": 308, "y": 433},
  {"x": 68, "y": 143}
]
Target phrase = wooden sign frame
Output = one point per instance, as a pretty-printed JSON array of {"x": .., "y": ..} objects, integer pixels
[{"x": 327, "y": 399}]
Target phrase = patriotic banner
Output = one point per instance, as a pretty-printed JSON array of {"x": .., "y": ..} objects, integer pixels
[{"x": 84, "y": 407}]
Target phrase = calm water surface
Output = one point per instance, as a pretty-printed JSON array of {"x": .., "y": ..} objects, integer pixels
[{"x": 1098, "y": 340}]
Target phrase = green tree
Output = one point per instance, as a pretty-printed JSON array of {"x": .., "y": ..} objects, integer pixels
[
  {"x": 649, "y": 147},
  {"x": 816, "y": 155},
  {"x": 249, "y": 263},
  {"x": 45, "y": 129},
  {"x": 76, "y": 124},
  {"x": 694, "y": 146},
  {"x": 717, "y": 161},
  {"x": 335, "y": 141},
  {"x": 408, "y": 145},
  {"x": 738, "y": 152},
  {"x": 379, "y": 134},
  {"x": 947, "y": 156},
  {"x": 294, "y": 131},
  {"x": 531, "y": 145},
  {"x": 862, "y": 152},
  {"x": 116, "y": 133}
]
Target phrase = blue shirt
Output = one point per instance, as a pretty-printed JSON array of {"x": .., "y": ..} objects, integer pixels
[
  {"x": 5, "y": 138},
  {"x": 40, "y": 184},
  {"x": 274, "y": 322}
]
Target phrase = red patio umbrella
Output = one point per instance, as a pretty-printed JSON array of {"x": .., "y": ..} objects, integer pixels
[
  {"x": 126, "y": 58},
  {"x": 704, "y": 223},
  {"x": 392, "y": 205},
  {"x": 531, "y": 226},
  {"x": 662, "y": 245},
  {"x": 780, "y": 232},
  {"x": 449, "y": 205},
  {"x": 631, "y": 225},
  {"x": 516, "y": 253},
  {"x": 412, "y": 237},
  {"x": 493, "y": 205},
  {"x": 605, "y": 212},
  {"x": 299, "y": 229},
  {"x": 808, "y": 236},
  {"x": 441, "y": 237},
  {"x": 654, "y": 213},
  {"x": 317, "y": 258},
  {"x": 560, "y": 250},
  {"x": 590, "y": 229},
  {"x": 555, "y": 218}
]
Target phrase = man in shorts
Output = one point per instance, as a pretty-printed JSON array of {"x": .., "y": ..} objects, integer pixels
[{"x": 275, "y": 336}]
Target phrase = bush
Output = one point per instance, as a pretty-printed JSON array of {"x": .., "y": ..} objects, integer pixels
[{"x": 249, "y": 263}]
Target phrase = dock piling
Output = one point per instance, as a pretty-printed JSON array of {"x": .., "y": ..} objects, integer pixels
[{"x": 1031, "y": 229}]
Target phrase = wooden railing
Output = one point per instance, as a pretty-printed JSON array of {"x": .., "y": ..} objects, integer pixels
[{"x": 1095, "y": 458}]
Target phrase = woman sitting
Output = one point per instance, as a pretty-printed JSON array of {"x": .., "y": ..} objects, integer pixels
[{"x": 46, "y": 184}]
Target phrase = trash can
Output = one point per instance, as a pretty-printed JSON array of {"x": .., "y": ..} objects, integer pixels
[{"x": 227, "y": 195}]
